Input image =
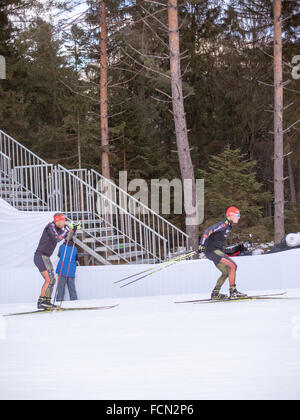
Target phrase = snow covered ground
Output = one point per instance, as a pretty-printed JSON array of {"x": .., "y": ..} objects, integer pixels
[{"x": 150, "y": 348}]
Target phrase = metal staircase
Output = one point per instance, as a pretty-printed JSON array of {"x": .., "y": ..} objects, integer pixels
[{"x": 116, "y": 228}]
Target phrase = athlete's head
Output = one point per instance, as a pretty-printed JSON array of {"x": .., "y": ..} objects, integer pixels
[
  {"x": 233, "y": 214},
  {"x": 60, "y": 220}
]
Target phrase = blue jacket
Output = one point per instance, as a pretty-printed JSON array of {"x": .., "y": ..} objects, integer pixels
[{"x": 72, "y": 268}]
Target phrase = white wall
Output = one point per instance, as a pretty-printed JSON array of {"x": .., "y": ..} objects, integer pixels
[
  {"x": 261, "y": 272},
  {"x": 21, "y": 282},
  {"x": 20, "y": 232}
]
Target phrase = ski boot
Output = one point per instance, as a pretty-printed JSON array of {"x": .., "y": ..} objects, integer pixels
[
  {"x": 44, "y": 303},
  {"x": 234, "y": 294},
  {"x": 216, "y": 295}
]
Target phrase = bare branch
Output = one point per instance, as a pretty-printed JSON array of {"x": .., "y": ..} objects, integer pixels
[
  {"x": 166, "y": 57},
  {"x": 123, "y": 83},
  {"x": 154, "y": 32},
  {"x": 146, "y": 67},
  {"x": 291, "y": 90},
  {"x": 265, "y": 84},
  {"x": 287, "y": 106},
  {"x": 155, "y": 2},
  {"x": 291, "y": 126},
  {"x": 155, "y": 18},
  {"x": 164, "y": 93},
  {"x": 78, "y": 93},
  {"x": 161, "y": 100}
]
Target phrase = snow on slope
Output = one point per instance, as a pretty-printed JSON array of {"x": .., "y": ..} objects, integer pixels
[{"x": 150, "y": 348}]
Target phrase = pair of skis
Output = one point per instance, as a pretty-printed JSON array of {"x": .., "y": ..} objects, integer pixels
[
  {"x": 60, "y": 309},
  {"x": 279, "y": 296}
]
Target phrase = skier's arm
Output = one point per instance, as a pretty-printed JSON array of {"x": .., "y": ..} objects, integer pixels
[
  {"x": 204, "y": 237},
  {"x": 58, "y": 236}
]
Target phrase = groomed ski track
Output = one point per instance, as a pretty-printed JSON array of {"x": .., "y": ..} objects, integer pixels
[{"x": 149, "y": 348}]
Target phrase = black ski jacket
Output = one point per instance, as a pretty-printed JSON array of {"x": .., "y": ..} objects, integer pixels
[
  {"x": 50, "y": 238},
  {"x": 215, "y": 236}
]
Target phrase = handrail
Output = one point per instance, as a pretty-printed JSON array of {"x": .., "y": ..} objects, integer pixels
[
  {"x": 114, "y": 204},
  {"x": 139, "y": 203},
  {"x": 21, "y": 146}
]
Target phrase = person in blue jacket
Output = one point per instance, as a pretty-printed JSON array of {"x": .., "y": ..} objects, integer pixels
[{"x": 66, "y": 267}]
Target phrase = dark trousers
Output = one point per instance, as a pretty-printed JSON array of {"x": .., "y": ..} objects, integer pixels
[
  {"x": 70, "y": 282},
  {"x": 45, "y": 267},
  {"x": 227, "y": 267}
]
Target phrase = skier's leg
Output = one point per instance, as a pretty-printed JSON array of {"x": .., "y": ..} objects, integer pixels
[
  {"x": 225, "y": 273},
  {"x": 46, "y": 284},
  {"x": 45, "y": 267},
  {"x": 71, "y": 287},
  {"x": 218, "y": 255},
  {"x": 232, "y": 278},
  {"x": 49, "y": 279},
  {"x": 231, "y": 265}
]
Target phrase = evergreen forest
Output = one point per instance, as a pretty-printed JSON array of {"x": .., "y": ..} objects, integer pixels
[{"x": 50, "y": 99}]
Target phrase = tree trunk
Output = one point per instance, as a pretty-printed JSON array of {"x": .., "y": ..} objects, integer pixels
[
  {"x": 278, "y": 123},
  {"x": 78, "y": 141},
  {"x": 103, "y": 93},
  {"x": 185, "y": 161},
  {"x": 292, "y": 182}
]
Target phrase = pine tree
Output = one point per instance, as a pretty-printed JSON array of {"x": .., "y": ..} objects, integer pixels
[{"x": 231, "y": 180}]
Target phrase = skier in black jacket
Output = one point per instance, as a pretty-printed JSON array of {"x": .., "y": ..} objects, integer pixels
[
  {"x": 212, "y": 244},
  {"x": 53, "y": 233}
]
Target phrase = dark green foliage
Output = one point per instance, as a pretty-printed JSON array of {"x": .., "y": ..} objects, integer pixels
[{"x": 231, "y": 181}]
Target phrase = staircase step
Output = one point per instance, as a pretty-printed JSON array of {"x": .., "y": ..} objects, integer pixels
[
  {"x": 98, "y": 229},
  {"x": 126, "y": 255},
  {"x": 103, "y": 239},
  {"x": 21, "y": 194},
  {"x": 114, "y": 247},
  {"x": 24, "y": 201},
  {"x": 32, "y": 208},
  {"x": 79, "y": 215},
  {"x": 92, "y": 221}
]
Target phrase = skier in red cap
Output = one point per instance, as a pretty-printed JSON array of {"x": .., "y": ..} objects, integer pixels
[
  {"x": 53, "y": 233},
  {"x": 212, "y": 244}
]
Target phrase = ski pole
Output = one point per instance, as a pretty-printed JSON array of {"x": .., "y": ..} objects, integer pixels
[
  {"x": 62, "y": 264},
  {"x": 168, "y": 264},
  {"x": 154, "y": 268}
]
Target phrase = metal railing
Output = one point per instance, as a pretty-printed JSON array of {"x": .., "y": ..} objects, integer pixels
[
  {"x": 176, "y": 240},
  {"x": 30, "y": 187},
  {"x": 112, "y": 230},
  {"x": 19, "y": 155},
  {"x": 5, "y": 176},
  {"x": 116, "y": 226}
]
